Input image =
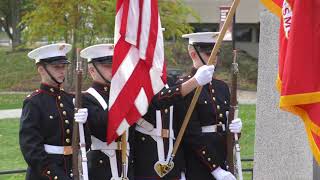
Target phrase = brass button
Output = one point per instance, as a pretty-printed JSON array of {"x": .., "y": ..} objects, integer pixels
[
  {"x": 213, "y": 98},
  {"x": 212, "y": 90},
  {"x": 100, "y": 161},
  {"x": 59, "y": 97},
  {"x": 64, "y": 113},
  {"x": 161, "y": 93},
  {"x": 169, "y": 91},
  {"x": 205, "y": 102},
  {"x": 209, "y": 159},
  {"x": 203, "y": 152},
  {"x": 143, "y": 138},
  {"x": 56, "y": 177},
  {"x": 218, "y": 107},
  {"x": 220, "y": 115},
  {"x": 189, "y": 76},
  {"x": 37, "y": 90},
  {"x": 71, "y": 174},
  {"x": 213, "y": 165},
  {"x": 51, "y": 117},
  {"x": 66, "y": 121},
  {"x": 181, "y": 79},
  {"x": 29, "y": 95},
  {"x": 105, "y": 88},
  {"x": 51, "y": 89},
  {"x": 166, "y": 111},
  {"x": 177, "y": 89},
  {"x": 68, "y": 140},
  {"x": 68, "y": 131},
  {"x": 225, "y": 102},
  {"x": 61, "y": 105},
  {"x": 48, "y": 172}
]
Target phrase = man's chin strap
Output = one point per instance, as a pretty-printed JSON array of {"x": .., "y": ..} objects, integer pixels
[
  {"x": 195, "y": 48},
  {"x": 105, "y": 80},
  {"x": 54, "y": 79}
]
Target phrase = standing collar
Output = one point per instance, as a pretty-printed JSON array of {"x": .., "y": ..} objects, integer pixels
[
  {"x": 50, "y": 88},
  {"x": 101, "y": 87}
]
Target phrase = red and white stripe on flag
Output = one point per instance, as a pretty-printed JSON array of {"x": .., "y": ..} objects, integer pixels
[{"x": 138, "y": 63}]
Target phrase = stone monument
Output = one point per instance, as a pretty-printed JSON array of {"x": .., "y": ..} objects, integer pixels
[{"x": 281, "y": 150}]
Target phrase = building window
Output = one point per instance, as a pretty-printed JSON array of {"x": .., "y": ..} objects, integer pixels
[
  {"x": 205, "y": 27},
  {"x": 243, "y": 34}
]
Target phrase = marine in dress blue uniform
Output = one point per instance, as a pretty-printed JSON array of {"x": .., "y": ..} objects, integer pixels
[
  {"x": 104, "y": 161},
  {"x": 46, "y": 122},
  {"x": 204, "y": 142}
]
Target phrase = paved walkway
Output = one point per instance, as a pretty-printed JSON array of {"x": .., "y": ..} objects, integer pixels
[
  {"x": 247, "y": 97},
  {"x": 10, "y": 113},
  {"x": 15, "y": 92},
  {"x": 244, "y": 97}
]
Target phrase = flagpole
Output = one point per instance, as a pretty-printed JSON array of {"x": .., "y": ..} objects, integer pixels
[
  {"x": 163, "y": 169},
  {"x": 124, "y": 155}
]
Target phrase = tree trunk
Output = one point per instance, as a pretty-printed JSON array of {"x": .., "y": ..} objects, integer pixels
[
  {"x": 74, "y": 41},
  {"x": 15, "y": 19}
]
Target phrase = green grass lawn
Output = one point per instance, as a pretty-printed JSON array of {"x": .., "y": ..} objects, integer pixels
[
  {"x": 248, "y": 117},
  {"x": 11, "y": 101},
  {"x": 18, "y": 72},
  {"x": 11, "y": 157}
]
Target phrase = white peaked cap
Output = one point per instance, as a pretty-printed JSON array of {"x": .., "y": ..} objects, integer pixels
[
  {"x": 97, "y": 51},
  {"x": 202, "y": 37},
  {"x": 49, "y": 51}
]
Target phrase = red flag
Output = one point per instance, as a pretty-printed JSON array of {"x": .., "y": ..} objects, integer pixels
[
  {"x": 137, "y": 63},
  {"x": 299, "y": 63}
]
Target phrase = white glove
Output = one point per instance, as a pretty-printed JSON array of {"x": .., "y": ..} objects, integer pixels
[
  {"x": 235, "y": 125},
  {"x": 81, "y": 116},
  {"x": 221, "y": 174},
  {"x": 204, "y": 74}
]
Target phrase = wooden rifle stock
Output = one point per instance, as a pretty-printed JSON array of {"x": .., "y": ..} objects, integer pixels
[
  {"x": 75, "y": 135},
  {"x": 231, "y": 115}
]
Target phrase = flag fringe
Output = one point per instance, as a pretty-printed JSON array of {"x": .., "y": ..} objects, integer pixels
[
  {"x": 273, "y": 7},
  {"x": 310, "y": 127}
]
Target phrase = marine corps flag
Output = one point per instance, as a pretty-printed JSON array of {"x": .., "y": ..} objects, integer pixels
[
  {"x": 138, "y": 63},
  {"x": 299, "y": 63}
]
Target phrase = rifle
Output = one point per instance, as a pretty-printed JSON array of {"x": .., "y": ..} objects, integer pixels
[
  {"x": 79, "y": 142},
  {"x": 232, "y": 139}
]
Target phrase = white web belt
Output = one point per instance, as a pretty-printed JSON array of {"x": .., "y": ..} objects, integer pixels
[
  {"x": 158, "y": 134},
  {"x": 212, "y": 128},
  {"x": 110, "y": 151}
]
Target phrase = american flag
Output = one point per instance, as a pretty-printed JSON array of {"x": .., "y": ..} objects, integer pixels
[{"x": 138, "y": 63}]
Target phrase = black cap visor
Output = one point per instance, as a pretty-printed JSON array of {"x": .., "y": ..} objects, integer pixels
[
  {"x": 55, "y": 60},
  {"x": 102, "y": 60}
]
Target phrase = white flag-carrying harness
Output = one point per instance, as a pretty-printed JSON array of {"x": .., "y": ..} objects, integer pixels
[{"x": 109, "y": 150}]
